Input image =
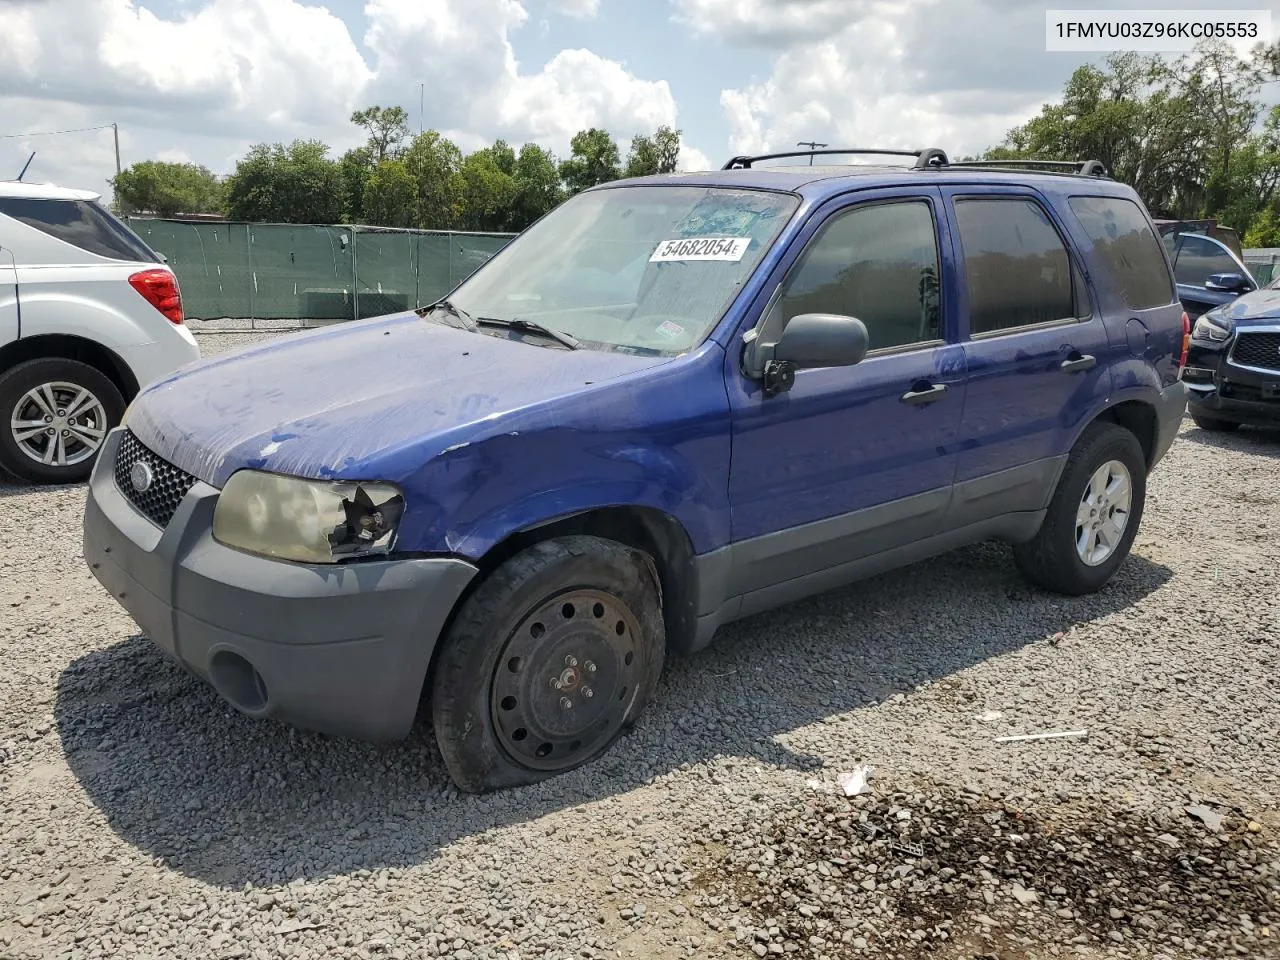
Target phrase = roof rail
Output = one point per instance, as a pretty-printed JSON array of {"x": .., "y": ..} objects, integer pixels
[
  {"x": 928, "y": 157},
  {"x": 1083, "y": 168}
]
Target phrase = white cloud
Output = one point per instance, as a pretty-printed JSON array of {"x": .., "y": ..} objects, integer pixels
[
  {"x": 692, "y": 159},
  {"x": 580, "y": 9},
  {"x": 222, "y": 74},
  {"x": 956, "y": 75},
  {"x": 464, "y": 45}
]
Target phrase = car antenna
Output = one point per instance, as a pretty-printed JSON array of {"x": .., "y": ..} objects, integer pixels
[{"x": 26, "y": 165}]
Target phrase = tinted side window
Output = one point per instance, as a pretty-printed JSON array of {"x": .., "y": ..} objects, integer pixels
[
  {"x": 81, "y": 223},
  {"x": 1126, "y": 243},
  {"x": 1199, "y": 259},
  {"x": 1018, "y": 270},
  {"x": 877, "y": 263}
]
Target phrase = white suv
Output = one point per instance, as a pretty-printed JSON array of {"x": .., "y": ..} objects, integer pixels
[{"x": 88, "y": 315}]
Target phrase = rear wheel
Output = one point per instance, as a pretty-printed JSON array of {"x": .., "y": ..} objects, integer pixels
[
  {"x": 554, "y": 655},
  {"x": 55, "y": 416},
  {"x": 1214, "y": 425},
  {"x": 1093, "y": 516}
]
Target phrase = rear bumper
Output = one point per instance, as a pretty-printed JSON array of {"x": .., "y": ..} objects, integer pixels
[
  {"x": 1170, "y": 409},
  {"x": 339, "y": 649}
]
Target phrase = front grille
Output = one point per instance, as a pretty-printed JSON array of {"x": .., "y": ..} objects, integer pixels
[
  {"x": 169, "y": 485},
  {"x": 1260, "y": 350}
]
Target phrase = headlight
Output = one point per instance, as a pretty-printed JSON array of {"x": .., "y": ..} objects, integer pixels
[
  {"x": 1206, "y": 329},
  {"x": 311, "y": 521}
]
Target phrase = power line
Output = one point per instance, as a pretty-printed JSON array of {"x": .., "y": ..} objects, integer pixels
[{"x": 53, "y": 133}]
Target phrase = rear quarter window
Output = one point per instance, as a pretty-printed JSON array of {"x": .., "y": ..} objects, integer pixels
[
  {"x": 1123, "y": 240},
  {"x": 81, "y": 223}
]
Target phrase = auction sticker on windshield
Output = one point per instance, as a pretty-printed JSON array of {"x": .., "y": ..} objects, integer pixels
[{"x": 731, "y": 249}]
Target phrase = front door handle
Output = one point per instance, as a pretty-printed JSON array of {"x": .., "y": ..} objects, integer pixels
[
  {"x": 1078, "y": 364},
  {"x": 928, "y": 393}
]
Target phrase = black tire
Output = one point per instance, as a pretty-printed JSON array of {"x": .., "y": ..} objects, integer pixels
[
  {"x": 1214, "y": 425},
  {"x": 1050, "y": 560},
  {"x": 495, "y": 703},
  {"x": 17, "y": 381}
]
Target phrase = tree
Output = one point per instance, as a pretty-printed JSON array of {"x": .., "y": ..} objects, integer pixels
[
  {"x": 487, "y": 191},
  {"x": 390, "y": 195},
  {"x": 1179, "y": 132},
  {"x": 538, "y": 189},
  {"x": 154, "y": 186},
  {"x": 659, "y": 153},
  {"x": 435, "y": 163},
  {"x": 293, "y": 184},
  {"x": 387, "y": 128},
  {"x": 594, "y": 160},
  {"x": 355, "y": 167}
]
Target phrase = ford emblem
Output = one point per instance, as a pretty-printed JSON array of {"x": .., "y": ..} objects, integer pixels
[{"x": 141, "y": 477}]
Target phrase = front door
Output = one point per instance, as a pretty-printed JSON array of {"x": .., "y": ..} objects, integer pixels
[
  {"x": 851, "y": 461},
  {"x": 1035, "y": 351},
  {"x": 1195, "y": 260},
  {"x": 8, "y": 298}
]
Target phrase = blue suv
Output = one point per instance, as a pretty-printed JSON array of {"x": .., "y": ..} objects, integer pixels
[{"x": 672, "y": 403}]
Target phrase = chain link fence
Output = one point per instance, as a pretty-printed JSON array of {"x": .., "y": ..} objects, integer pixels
[{"x": 311, "y": 274}]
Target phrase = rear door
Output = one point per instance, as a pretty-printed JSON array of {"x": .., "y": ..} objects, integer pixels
[{"x": 1034, "y": 350}]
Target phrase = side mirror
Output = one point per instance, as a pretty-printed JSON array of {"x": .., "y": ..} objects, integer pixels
[
  {"x": 810, "y": 340},
  {"x": 1228, "y": 283}
]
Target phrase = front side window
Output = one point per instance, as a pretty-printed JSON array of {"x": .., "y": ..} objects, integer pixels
[
  {"x": 635, "y": 269},
  {"x": 81, "y": 223},
  {"x": 1018, "y": 271},
  {"x": 878, "y": 263},
  {"x": 1199, "y": 258},
  {"x": 1124, "y": 241}
]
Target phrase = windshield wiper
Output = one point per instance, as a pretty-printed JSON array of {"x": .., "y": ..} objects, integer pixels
[
  {"x": 468, "y": 321},
  {"x": 529, "y": 326}
]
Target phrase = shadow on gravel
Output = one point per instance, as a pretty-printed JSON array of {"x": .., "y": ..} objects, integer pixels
[
  {"x": 1258, "y": 440},
  {"x": 232, "y": 801}
]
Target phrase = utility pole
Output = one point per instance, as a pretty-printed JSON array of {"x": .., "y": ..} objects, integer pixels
[
  {"x": 422, "y": 87},
  {"x": 120, "y": 207},
  {"x": 812, "y": 145}
]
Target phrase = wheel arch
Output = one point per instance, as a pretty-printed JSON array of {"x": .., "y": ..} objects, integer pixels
[
  {"x": 647, "y": 529},
  {"x": 1136, "y": 415},
  {"x": 61, "y": 346}
]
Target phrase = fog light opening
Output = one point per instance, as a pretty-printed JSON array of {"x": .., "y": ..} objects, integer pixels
[{"x": 238, "y": 682}]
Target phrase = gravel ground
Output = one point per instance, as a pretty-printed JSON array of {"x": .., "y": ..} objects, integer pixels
[{"x": 141, "y": 817}]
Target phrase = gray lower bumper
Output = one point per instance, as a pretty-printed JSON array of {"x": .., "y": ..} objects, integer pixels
[
  {"x": 1169, "y": 413},
  {"x": 340, "y": 649}
]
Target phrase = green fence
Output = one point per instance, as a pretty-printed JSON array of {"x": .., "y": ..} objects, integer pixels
[{"x": 268, "y": 271}]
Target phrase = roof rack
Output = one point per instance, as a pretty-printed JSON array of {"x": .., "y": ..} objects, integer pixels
[
  {"x": 1083, "y": 168},
  {"x": 931, "y": 158},
  {"x": 928, "y": 157}
]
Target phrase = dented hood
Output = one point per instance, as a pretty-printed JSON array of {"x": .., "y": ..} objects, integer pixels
[{"x": 373, "y": 399}]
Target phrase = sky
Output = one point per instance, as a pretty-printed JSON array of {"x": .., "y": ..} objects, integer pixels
[{"x": 202, "y": 80}]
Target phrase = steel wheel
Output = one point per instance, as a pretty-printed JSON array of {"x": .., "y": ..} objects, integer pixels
[
  {"x": 58, "y": 424},
  {"x": 566, "y": 680},
  {"x": 1103, "y": 513}
]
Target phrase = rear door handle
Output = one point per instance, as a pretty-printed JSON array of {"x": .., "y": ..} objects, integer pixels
[
  {"x": 1078, "y": 364},
  {"x": 929, "y": 394}
]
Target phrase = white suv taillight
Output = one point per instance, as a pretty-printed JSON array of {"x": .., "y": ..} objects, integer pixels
[{"x": 160, "y": 289}]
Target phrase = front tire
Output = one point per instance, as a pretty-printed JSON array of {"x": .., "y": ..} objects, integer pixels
[
  {"x": 54, "y": 416},
  {"x": 1093, "y": 516},
  {"x": 547, "y": 662}
]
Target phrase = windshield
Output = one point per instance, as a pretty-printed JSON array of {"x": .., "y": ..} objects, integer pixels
[{"x": 636, "y": 269}]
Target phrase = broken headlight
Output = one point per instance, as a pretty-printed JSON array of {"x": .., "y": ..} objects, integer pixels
[{"x": 310, "y": 521}]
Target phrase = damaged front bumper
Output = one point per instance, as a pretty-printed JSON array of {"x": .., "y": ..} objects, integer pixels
[{"x": 342, "y": 649}]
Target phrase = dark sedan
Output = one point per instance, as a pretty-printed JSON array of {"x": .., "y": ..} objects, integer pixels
[
  {"x": 1208, "y": 272},
  {"x": 1233, "y": 368}
]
